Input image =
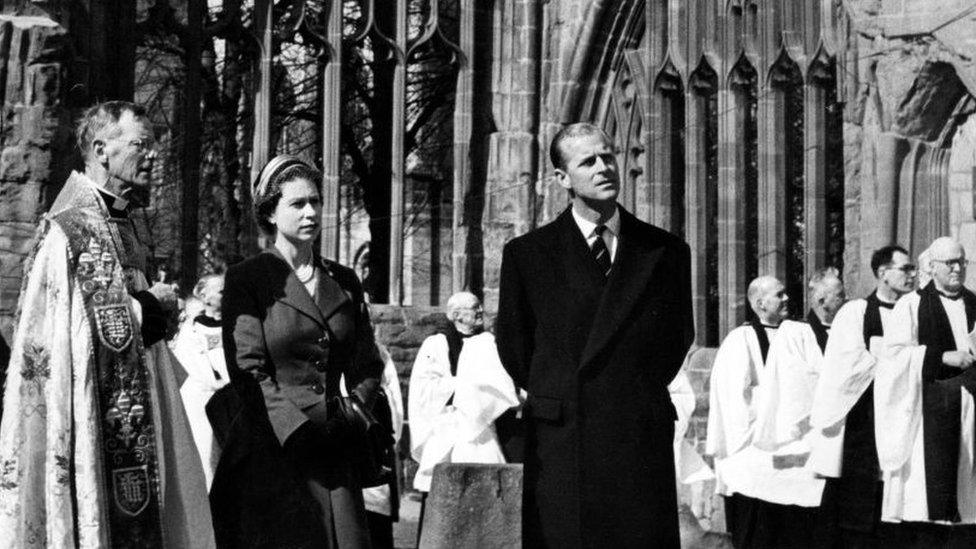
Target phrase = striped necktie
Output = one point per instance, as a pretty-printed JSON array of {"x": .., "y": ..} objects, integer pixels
[{"x": 600, "y": 252}]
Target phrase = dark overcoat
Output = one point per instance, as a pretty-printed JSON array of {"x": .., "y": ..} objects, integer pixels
[
  {"x": 285, "y": 353},
  {"x": 596, "y": 355}
]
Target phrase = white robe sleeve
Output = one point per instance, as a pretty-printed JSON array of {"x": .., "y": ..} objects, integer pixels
[
  {"x": 431, "y": 385},
  {"x": 688, "y": 465},
  {"x": 731, "y": 411},
  {"x": 786, "y": 387},
  {"x": 898, "y": 386},
  {"x": 484, "y": 389}
]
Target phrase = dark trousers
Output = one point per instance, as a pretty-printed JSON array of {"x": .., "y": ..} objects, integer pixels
[
  {"x": 851, "y": 507},
  {"x": 757, "y": 524},
  {"x": 924, "y": 535},
  {"x": 380, "y": 530}
]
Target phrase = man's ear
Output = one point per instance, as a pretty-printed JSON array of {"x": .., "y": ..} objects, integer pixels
[
  {"x": 98, "y": 151},
  {"x": 562, "y": 178}
]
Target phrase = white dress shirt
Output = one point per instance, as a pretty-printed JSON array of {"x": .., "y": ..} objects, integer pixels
[{"x": 610, "y": 235}]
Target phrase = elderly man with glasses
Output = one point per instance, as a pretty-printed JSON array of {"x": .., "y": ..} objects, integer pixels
[
  {"x": 94, "y": 445},
  {"x": 924, "y": 409},
  {"x": 842, "y": 417}
]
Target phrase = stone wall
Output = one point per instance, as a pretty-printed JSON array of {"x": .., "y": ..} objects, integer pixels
[{"x": 35, "y": 140}]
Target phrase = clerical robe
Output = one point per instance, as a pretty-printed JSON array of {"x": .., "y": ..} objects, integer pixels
[
  {"x": 199, "y": 348},
  {"x": 732, "y": 408},
  {"x": 95, "y": 450},
  {"x": 689, "y": 467},
  {"x": 452, "y": 414},
  {"x": 924, "y": 411},
  {"x": 783, "y": 410},
  {"x": 842, "y": 418}
]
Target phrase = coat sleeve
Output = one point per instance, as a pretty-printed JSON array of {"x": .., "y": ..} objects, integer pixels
[
  {"x": 368, "y": 365},
  {"x": 515, "y": 325},
  {"x": 684, "y": 317},
  {"x": 431, "y": 385},
  {"x": 246, "y": 352}
]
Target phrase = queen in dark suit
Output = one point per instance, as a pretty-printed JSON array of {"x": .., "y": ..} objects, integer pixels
[
  {"x": 294, "y": 323},
  {"x": 594, "y": 320}
]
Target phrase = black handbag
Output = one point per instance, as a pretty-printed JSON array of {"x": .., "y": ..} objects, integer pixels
[{"x": 371, "y": 451}]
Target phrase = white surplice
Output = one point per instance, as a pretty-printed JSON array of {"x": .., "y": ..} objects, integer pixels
[
  {"x": 847, "y": 371},
  {"x": 463, "y": 431},
  {"x": 739, "y": 466},
  {"x": 898, "y": 416},
  {"x": 689, "y": 467},
  {"x": 784, "y": 402},
  {"x": 200, "y": 351},
  {"x": 377, "y": 498}
]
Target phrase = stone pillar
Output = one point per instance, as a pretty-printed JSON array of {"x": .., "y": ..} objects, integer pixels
[
  {"x": 771, "y": 119},
  {"x": 814, "y": 183},
  {"x": 513, "y": 148},
  {"x": 731, "y": 209},
  {"x": 696, "y": 206},
  {"x": 463, "y": 107},
  {"x": 36, "y": 145}
]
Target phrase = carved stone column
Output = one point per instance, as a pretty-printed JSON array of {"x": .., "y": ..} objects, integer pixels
[{"x": 513, "y": 148}]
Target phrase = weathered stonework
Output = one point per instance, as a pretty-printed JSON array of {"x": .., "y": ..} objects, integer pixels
[{"x": 35, "y": 140}]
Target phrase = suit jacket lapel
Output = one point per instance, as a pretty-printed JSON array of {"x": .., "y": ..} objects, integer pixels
[
  {"x": 294, "y": 293},
  {"x": 330, "y": 295},
  {"x": 631, "y": 272}
]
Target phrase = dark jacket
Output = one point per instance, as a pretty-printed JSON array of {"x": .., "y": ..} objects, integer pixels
[
  {"x": 596, "y": 355},
  {"x": 285, "y": 355}
]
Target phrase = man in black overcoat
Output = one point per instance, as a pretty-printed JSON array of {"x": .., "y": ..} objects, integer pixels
[{"x": 594, "y": 320}]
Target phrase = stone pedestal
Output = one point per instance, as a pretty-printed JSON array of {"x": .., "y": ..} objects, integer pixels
[{"x": 474, "y": 505}]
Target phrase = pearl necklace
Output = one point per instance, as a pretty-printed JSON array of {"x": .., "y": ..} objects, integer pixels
[{"x": 305, "y": 273}]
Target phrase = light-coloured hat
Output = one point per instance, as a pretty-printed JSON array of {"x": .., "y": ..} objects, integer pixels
[{"x": 270, "y": 170}]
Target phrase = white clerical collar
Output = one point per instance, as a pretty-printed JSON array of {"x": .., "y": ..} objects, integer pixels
[
  {"x": 587, "y": 227},
  {"x": 117, "y": 202}
]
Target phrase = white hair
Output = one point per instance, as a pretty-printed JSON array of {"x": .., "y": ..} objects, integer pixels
[{"x": 460, "y": 300}]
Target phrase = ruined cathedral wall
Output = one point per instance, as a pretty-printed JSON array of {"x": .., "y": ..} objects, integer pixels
[
  {"x": 909, "y": 148},
  {"x": 35, "y": 142}
]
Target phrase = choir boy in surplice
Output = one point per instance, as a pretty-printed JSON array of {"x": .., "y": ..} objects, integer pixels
[
  {"x": 843, "y": 445},
  {"x": 783, "y": 419},
  {"x": 924, "y": 410},
  {"x": 739, "y": 466}
]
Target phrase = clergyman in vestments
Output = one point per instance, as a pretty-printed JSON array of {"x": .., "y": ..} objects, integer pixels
[
  {"x": 741, "y": 468},
  {"x": 95, "y": 448},
  {"x": 924, "y": 411},
  {"x": 458, "y": 388},
  {"x": 843, "y": 446},
  {"x": 785, "y": 400}
]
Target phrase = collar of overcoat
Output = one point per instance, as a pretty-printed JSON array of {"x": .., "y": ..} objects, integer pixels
[
  {"x": 633, "y": 267},
  {"x": 330, "y": 295}
]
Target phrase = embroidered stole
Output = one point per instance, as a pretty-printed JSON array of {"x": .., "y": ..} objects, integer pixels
[{"x": 127, "y": 433}]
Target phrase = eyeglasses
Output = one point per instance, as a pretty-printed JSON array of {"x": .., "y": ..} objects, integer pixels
[
  {"x": 142, "y": 145},
  {"x": 959, "y": 262},
  {"x": 907, "y": 268}
]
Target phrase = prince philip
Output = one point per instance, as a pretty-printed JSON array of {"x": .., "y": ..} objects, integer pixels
[{"x": 594, "y": 321}]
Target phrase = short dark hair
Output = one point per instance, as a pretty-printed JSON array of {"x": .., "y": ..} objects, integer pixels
[
  {"x": 99, "y": 117},
  {"x": 884, "y": 256},
  {"x": 571, "y": 131},
  {"x": 267, "y": 195}
]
